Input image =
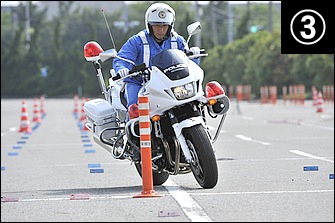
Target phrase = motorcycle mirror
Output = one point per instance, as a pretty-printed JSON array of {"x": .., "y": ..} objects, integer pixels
[
  {"x": 107, "y": 55},
  {"x": 194, "y": 28}
]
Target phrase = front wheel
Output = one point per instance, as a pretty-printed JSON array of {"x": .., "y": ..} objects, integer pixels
[{"x": 203, "y": 165}]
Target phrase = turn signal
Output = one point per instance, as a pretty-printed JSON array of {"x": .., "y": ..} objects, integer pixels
[
  {"x": 212, "y": 101},
  {"x": 156, "y": 118}
]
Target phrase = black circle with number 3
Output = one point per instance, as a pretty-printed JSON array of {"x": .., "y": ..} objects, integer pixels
[{"x": 307, "y": 27}]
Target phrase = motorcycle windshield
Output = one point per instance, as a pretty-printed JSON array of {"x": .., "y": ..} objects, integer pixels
[{"x": 173, "y": 63}]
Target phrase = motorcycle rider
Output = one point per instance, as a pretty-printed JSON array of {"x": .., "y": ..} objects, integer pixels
[{"x": 140, "y": 48}]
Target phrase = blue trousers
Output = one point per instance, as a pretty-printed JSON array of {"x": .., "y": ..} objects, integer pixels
[{"x": 132, "y": 90}]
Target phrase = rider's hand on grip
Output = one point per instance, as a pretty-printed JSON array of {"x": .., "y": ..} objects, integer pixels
[
  {"x": 123, "y": 72},
  {"x": 195, "y": 53},
  {"x": 195, "y": 50},
  {"x": 112, "y": 72}
]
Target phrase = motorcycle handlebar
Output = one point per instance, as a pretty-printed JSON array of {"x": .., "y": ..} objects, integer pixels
[
  {"x": 133, "y": 72},
  {"x": 202, "y": 53},
  {"x": 140, "y": 68}
]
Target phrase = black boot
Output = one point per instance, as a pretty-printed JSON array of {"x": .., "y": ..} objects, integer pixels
[{"x": 136, "y": 155}]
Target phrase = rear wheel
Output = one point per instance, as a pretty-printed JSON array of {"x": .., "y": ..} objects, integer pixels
[{"x": 203, "y": 165}]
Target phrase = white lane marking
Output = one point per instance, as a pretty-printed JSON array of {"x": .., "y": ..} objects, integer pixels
[
  {"x": 12, "y": 129},
  {"x": 265, "y": 192},
  {"x": 317, "y": 126},
  {"x": 189, "y": 206},
  {"x": 246, "y": 138},
  {"x": 311, "y": 156}
]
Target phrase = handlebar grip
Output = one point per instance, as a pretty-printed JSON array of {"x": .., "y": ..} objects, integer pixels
[
  {"x": 189, "y": 53},
  {"x": 117, "y": 77},
  {"x": 138, "y": 68}
]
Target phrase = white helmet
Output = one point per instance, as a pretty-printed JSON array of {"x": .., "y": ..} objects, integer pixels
[{"x": 160, "y": 13}]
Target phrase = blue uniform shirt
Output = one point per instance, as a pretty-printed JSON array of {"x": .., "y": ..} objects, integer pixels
[{"x": 133, "y": 50}]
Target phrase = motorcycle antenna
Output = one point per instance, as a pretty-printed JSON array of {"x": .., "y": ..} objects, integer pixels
[{"x": 110, "y": 34}]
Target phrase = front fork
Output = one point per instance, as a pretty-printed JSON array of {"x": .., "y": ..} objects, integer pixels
[{"x": 178, "y": 128}]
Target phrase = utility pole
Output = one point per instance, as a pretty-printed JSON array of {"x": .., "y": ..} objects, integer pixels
[
  {"x": 27, "y": 26},
  {"x": 197, "y": 17},
  {"x": 124, "y": 23},
  {"x": 214, "y": 27},
  {"x": 230, "y": 23}
]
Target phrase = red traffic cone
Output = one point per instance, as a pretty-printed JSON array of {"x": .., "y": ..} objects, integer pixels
[
  {"x": 25, "y": 124},
  {"x": 319, "y": 103},
  {"x": 37, "y": 116}
]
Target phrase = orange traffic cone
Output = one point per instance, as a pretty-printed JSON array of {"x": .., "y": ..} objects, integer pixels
[
  {"x": 319, "y": 103},
  {"x": 37, "y": 116},
  {"x": 25, "y": 124},
  {"x": 83, "y": 117},
  {"x": 314, "y": 96},
  {"x": 42, "y": 106},
  {"x": 76, "y": 109},
  {"x": 82, "y": 114}
]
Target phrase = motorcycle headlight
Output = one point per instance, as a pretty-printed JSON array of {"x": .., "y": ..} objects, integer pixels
[{"x": 184, "y": 91}]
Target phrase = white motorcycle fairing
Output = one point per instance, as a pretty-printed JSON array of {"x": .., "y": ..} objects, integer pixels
[{"x": 159, "y": 87}]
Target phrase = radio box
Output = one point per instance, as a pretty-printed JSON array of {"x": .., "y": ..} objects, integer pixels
[{"x": 100, "y": 115}]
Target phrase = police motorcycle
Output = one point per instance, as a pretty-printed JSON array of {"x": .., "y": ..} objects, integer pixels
[{"x": 181, "y": 142}]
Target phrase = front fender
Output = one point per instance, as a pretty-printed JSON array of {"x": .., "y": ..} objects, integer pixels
[{"x": 178, "y": 127}]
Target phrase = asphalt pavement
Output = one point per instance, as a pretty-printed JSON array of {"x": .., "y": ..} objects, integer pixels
[{"x": 276, "y": 163}]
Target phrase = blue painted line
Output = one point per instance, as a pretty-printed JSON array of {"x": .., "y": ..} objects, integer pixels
[
  {"x": 86, "y": 140},
  {"x": 24, "y": 137},
  {"x": 90, "y": 151},
  {"x": 88, "y": 145},
  {"x": 17, "y": 147},
  {"x": 21, "y": 142},
  {"x": 96, "y": 170},
  {"x": 13, "y": 154},
  {"x": 311, "y": 168},
  {"x": 75, "y": 115},
  {"x": 94, "y": 165},
  {"x": 36, "y": 126},
  {"x": 3, "y": 168},
  {"x": 86, "y": 136}
]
